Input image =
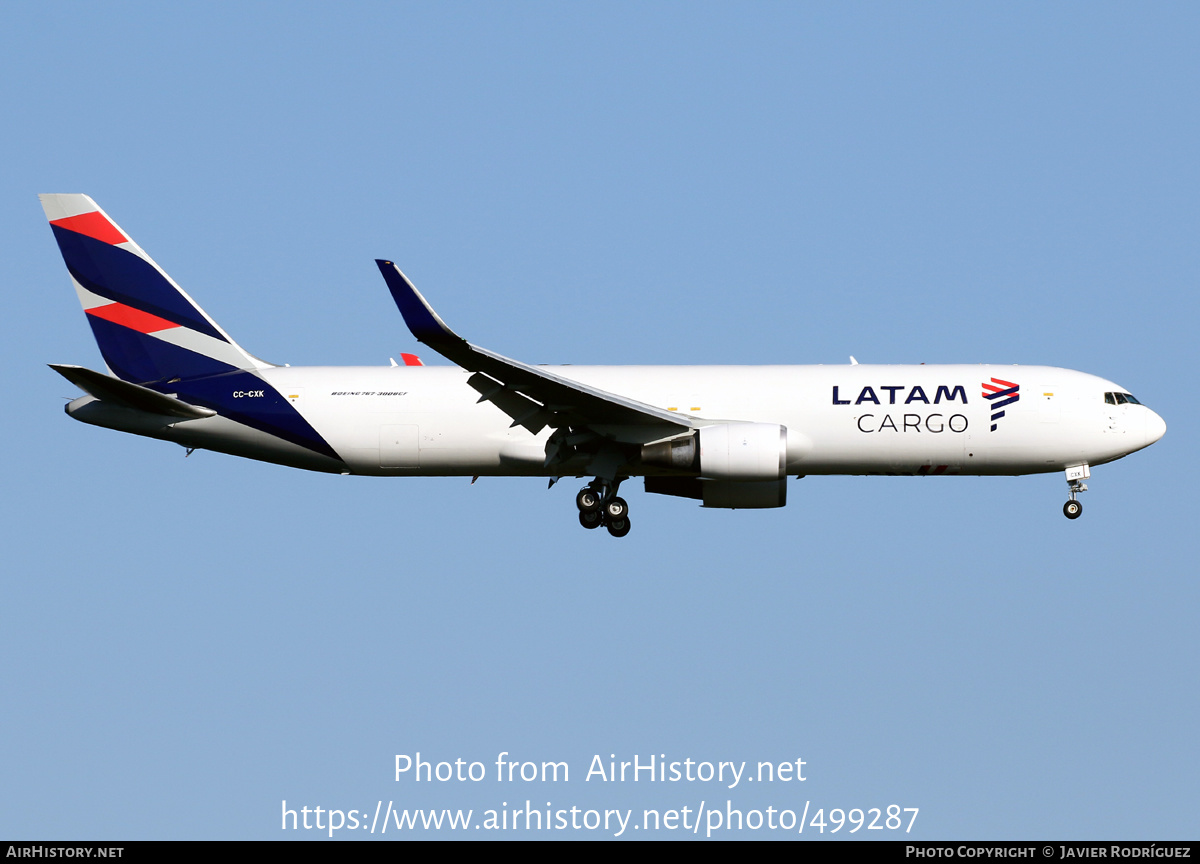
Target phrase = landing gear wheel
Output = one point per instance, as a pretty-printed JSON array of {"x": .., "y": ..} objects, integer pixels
[
  {"x": 588, "y": 500},
  {"x": 618, "y": 527},
  {"x": 1072, "y": 509},
  {"x": 615, "y": 510},
  {"x": 590, "y": 518}
]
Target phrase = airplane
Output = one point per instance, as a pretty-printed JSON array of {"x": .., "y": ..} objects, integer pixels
[{"x": 727, "y": 436}]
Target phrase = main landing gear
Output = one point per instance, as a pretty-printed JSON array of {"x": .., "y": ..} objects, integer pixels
[
  {"x": 599, "y": 505},
  {"x": 1075, "y": 477}
]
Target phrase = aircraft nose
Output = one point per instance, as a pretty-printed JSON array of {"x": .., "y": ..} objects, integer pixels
[{"x": 1156, "y": 427}]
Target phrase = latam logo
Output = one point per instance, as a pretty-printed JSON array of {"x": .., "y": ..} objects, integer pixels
[
  {"x": 1004, "y": 391},
  {"x": 915, "y": 394}
]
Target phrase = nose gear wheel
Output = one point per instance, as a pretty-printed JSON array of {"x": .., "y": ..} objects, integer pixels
[{"x": 1075, "y": 477}]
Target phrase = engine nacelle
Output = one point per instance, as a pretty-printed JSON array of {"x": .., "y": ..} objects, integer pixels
[
  {"x": 738, "y": 452},
  {"x": 733, "y": 465},
  {"x": 743, "y": 451},
  {"x": 728, "y": 494},
  {"x": 735, "y": 495}
]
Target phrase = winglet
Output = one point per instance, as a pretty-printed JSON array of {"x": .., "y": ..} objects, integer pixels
[{"x": 424, "y": 323}]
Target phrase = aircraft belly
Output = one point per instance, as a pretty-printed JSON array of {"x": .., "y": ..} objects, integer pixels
[
  {"x": 413, "y": 449},
  {"x": 457, "y": 445},
  {"x": 886, "y": 455},
  {"x": 219, "y": 434},
  {"x": 419, "y": 444},
  {"x": 399, "y": 421},
  {"x": 227, "y": 436}
]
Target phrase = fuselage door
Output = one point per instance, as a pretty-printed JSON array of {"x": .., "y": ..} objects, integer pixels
[{"x": 398, "y": 446}]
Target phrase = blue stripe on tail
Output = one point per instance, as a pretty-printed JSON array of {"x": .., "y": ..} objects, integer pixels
[
  {"x": 121, "y": 276},
  {"x": 144, "y": 359}
]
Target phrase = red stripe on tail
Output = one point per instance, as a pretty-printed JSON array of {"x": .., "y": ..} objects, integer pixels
[
  {"x": 93, "y": 225},
  {"x": 134, "y": 319}
]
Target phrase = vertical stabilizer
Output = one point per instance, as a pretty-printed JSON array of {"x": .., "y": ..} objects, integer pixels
[{"x": 147, "y": 327}]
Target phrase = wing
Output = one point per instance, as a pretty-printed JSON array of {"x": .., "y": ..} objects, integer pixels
[{"x": 532, "y": 396}]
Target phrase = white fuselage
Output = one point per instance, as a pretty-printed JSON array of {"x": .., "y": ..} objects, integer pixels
[{"x": 426, "y": 420}]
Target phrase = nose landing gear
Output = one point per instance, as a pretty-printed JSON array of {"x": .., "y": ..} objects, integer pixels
[
  {"x": 599, "y": 505},
  {"x": 1075, "y": 477}
]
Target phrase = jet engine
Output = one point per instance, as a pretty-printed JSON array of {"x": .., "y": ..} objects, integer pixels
[{"x": 733, "y": 465}]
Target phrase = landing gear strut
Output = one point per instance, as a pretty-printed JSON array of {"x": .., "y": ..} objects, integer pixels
[
  {"x": 599, "y": 505},
  {"x": 1075, "y": 477}
]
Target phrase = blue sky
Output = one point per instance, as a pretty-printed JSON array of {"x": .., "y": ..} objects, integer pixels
[{"x": 187, "y": 643}]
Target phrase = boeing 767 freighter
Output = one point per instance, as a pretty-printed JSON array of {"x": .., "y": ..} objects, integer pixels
[{"x": 728, "y": 436}]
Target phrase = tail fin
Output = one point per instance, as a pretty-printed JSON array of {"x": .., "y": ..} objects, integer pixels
[{"x": 147, "y": 327}]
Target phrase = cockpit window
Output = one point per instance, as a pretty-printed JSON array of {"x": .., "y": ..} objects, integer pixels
[{"x": 1120, "y": 399}]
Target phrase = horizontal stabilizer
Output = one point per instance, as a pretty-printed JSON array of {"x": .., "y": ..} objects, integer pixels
[{"x": 115, "y": 391}]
